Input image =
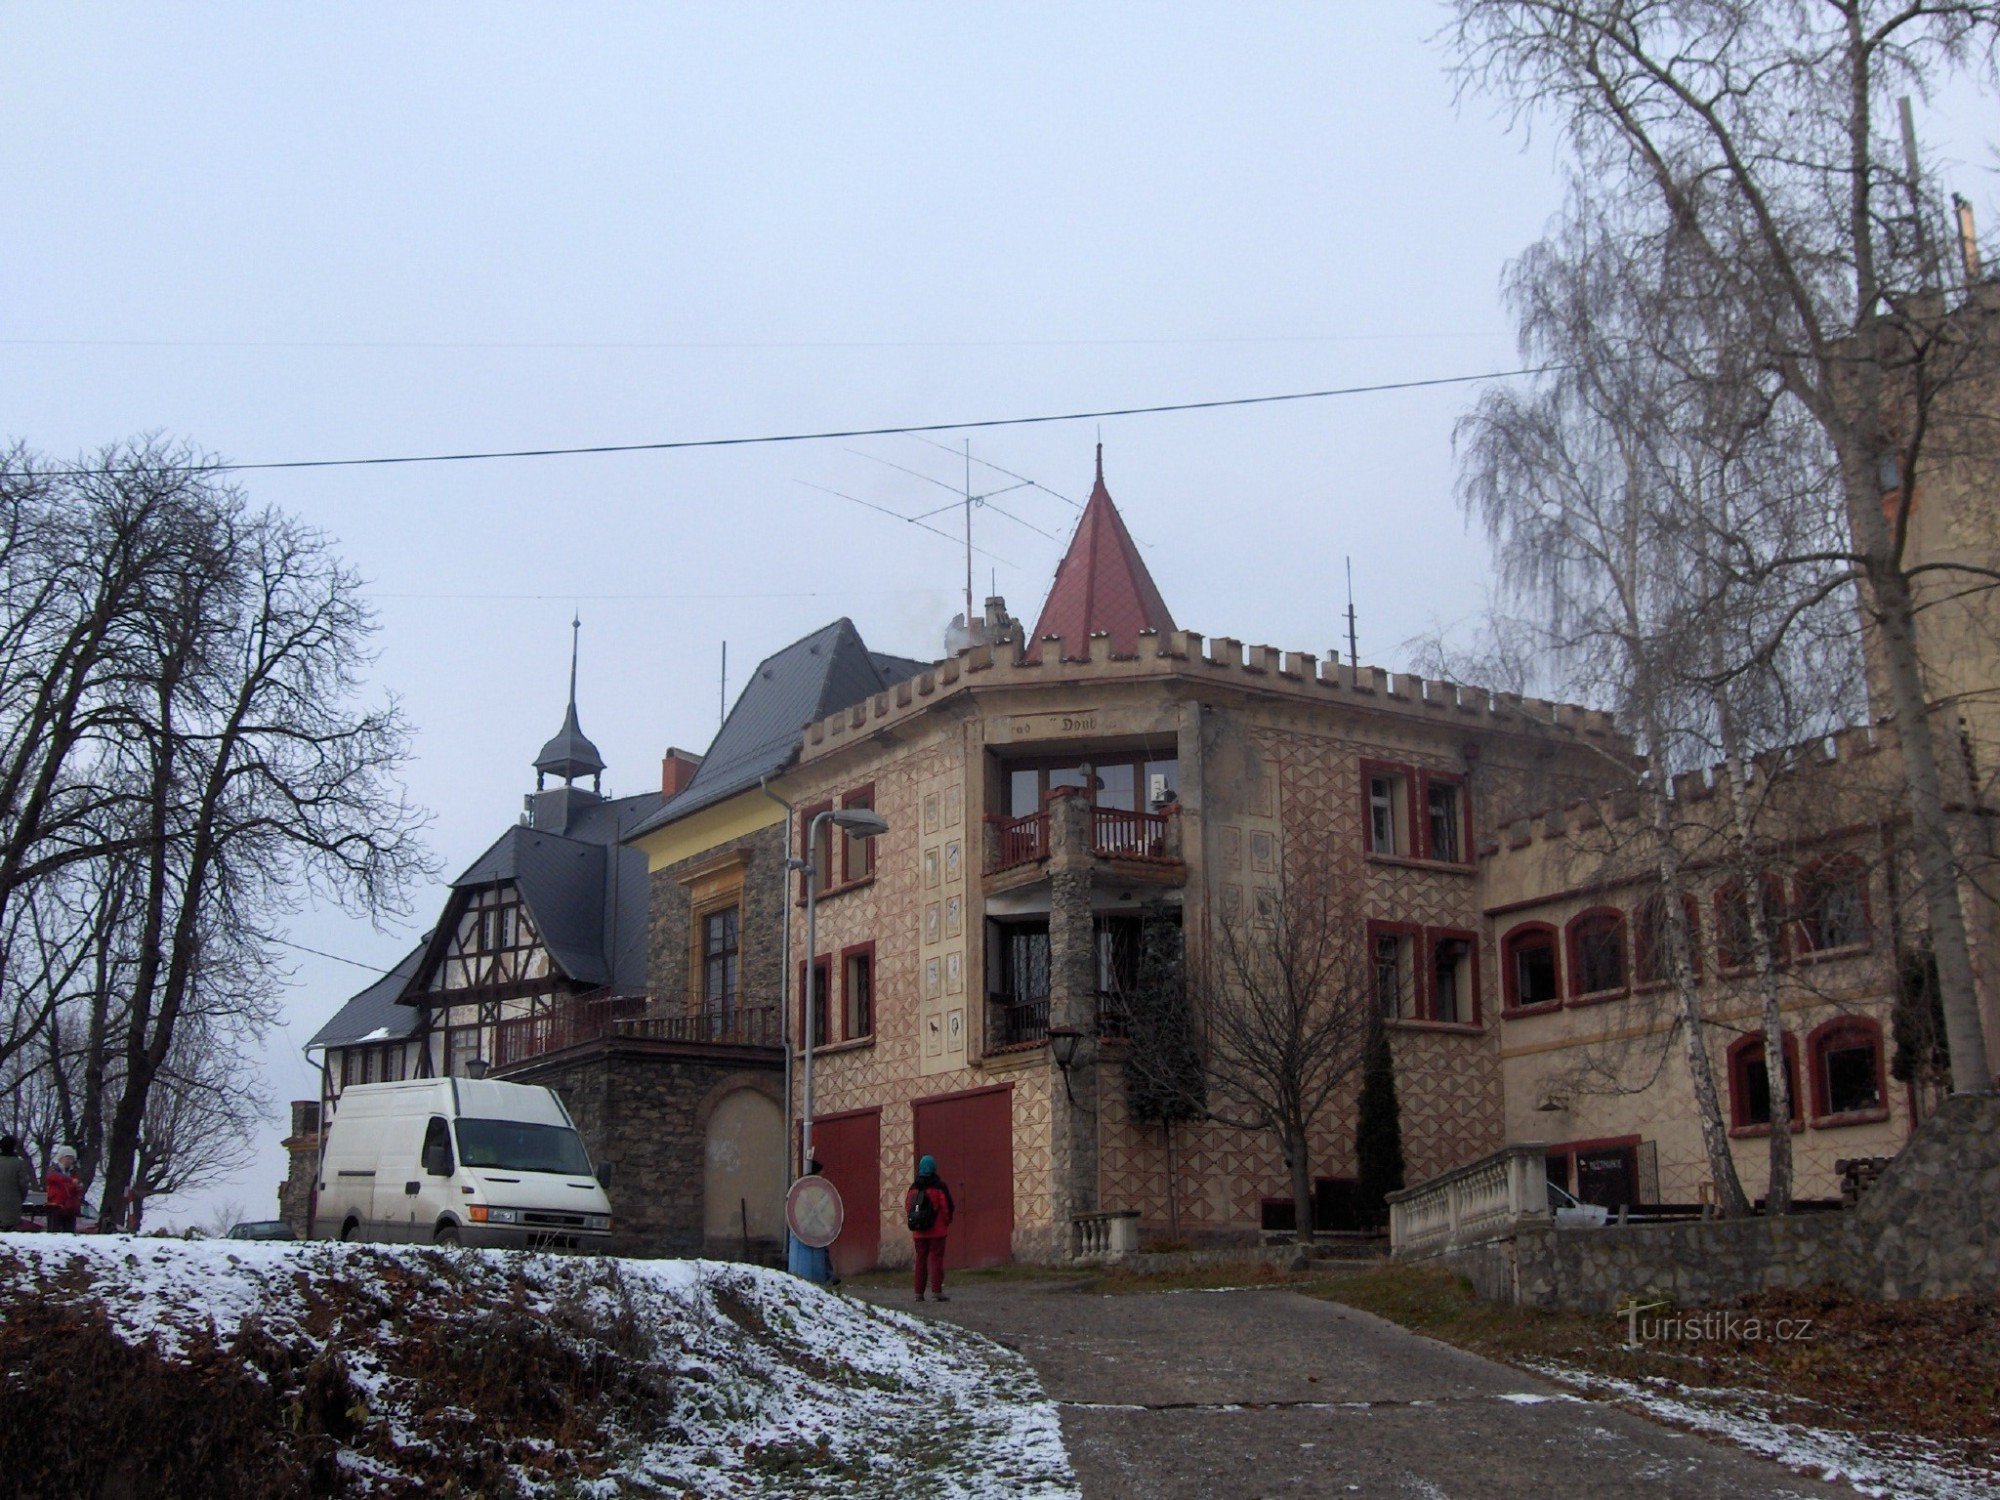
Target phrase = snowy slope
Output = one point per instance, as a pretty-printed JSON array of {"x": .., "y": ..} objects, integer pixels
[{"x": 694, "y": 1377}]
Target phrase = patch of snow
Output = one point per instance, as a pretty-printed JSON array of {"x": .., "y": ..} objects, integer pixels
[
  {"x": 779, "y": 1387},
  {"x": 1875, "y": 1464}
]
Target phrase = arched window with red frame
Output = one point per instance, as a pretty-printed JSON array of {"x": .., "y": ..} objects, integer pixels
[
  {"x": 1735, "y": 942},
  {"x": 1530, "y": 973},
  {"x": 1750, "y": 1083},
  {"x": 1597, "y": 952},
  {"x": 1832, "y": 905},
  {"x": 1848, "y": 1085},
  {"x": 1651, "y": 954}
]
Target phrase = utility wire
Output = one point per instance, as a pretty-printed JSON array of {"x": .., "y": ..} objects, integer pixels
[
  {"x": 727, "y": 344},
  {"x": 912, "y": 428}
]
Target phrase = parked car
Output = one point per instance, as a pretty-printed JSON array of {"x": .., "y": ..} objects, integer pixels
[
  {"x": 1570, "y": 1214},
  {"x": 262, "y": 1229},
  {"x": 460, "y": 1161},
  {"x": 35, "y": 1214}
]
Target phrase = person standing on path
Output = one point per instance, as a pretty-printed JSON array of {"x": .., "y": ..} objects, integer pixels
[
  {"x": 16, "y": 1182},
  {"x": 928, "y": 1208},
  {"x": 65, "y": 1193}
]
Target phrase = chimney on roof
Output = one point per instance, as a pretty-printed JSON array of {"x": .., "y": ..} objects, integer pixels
[{"x": 677, "y": 768}]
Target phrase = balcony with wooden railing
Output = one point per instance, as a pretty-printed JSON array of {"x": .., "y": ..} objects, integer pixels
[
  {"x": 738, "y": 1026},
  {"x": 571, "y": 1023},
  {"x": 1142, "y": 839}
]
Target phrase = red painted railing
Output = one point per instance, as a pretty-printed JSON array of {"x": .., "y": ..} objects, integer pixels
[
  {"x": 1023, "y": 840},
  {"x": 1119, "y": 834},
  {"x": 571, "y": 1024}
]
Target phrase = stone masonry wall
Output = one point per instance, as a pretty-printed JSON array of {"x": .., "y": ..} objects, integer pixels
[
  {"x": 1929, "y": 1227},
  {"x": 642, "y": 1109},
  {"x": 669, "y": 940}
]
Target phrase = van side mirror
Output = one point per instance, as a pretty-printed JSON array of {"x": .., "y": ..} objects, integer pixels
[
  {"x": 604, "y": 1174},
  {"x": 437, "y": 1159}
]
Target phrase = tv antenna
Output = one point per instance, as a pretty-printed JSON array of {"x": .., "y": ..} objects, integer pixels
[{"x": 1353, "y": 649}]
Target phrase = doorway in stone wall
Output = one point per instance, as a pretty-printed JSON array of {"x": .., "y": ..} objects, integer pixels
[
  {"x": 972, "y": 1137},
  {"x": 849, "y": 1149}
]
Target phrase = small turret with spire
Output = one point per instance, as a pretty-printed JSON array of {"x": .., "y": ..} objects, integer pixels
[{"x": 569, "y": 755}]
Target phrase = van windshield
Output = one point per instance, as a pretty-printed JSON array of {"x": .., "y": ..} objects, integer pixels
[{"x": 513, "y": 1146}]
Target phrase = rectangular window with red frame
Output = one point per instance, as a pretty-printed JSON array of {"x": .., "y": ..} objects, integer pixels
[
  {"x": 857, "y": 854},
  {"x": 821, "y": 858},
  {"x": 825, "y": 1004},
  {"x": 1388, "y": 824},
  {"x": 857, "y": 991},
  {"x": 1447, "y": 823},
  {"x": 1453, "y": 974}
]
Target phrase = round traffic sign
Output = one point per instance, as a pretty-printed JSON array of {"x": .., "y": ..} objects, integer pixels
[{"x": 813, "y": 1212}]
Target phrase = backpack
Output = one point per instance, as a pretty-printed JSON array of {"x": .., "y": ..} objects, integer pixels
[{"x": 923, "y": 1212}]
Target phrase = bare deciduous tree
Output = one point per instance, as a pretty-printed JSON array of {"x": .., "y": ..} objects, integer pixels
[
  {"x": 1750, "y": 139},
  {"x": 1285, "y": 991}
]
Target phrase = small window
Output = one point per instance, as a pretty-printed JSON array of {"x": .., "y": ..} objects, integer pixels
[
  {"x": 1750, "y": 1082},
  {"x": 1444, "y": 823},
  {"x": 1597, "y": 952},
  {"x": 820, "y": 856},
  {"x": 721, "y": 961},
  {"x": 1388, "y": 812},
  {"x": 1652, "y": 952},
  {"x": 824, "y": 1002},
  {"x": 857, "y": 854},
  {"x": 1833, "y": 906},
  {"x": 1847, "y": 1068},
  {"x": 858, "y": 995},
  {"x": 1452, "y": 997},
  {"x": 1395, "y": 993},
  {"x": 461, "y": 1049},
  {"x": 1735, "y": 943},
  {"x": 1529, "y": 957}
]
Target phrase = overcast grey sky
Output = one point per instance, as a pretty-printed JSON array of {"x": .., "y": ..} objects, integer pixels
[{"x": 291, "y": 232}]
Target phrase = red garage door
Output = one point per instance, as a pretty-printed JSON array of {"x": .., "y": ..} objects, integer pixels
[
  {"x": 849, "y": 1148},
  {"x": 972, "y": 1137}
]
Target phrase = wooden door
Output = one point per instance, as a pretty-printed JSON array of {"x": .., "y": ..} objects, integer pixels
[
  {"x": 972, "y": 1137},
  {"x": 849, "y": 1148}
]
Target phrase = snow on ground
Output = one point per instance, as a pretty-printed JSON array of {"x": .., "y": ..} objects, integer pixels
[
  {"x": 775, "y": 1387},
  {"x": 1877, "y": 1464}
]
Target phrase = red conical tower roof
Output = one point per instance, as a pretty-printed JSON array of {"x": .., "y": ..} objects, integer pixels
[{"x": 1101, "y": 585}]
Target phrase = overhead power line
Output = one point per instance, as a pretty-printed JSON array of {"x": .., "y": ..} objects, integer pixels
[{"x": 827, "y": 435}]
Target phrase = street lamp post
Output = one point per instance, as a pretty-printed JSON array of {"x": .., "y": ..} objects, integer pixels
[{"x": 867, "y": 823}]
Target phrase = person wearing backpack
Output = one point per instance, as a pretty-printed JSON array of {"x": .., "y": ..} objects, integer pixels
[{"x": 927, "y": 1208}]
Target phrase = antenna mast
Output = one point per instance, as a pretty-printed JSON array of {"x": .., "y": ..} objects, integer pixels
[
  {"x": 722, "y": 690},
  {"x": 1353, "y": 649},
  {"x": 968, "y": 533}
]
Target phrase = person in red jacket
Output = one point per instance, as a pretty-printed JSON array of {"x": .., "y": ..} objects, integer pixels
[
  {"x": 65, "y": 1193},
  {"x": 928, "y": 1208}
]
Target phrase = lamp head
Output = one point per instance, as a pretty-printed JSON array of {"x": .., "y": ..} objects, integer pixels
[
  {"x": 862, "y": 822},
  {"x": 1063, "y": 1042}
]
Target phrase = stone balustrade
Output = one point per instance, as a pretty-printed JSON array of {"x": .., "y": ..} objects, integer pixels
[
  {"x": 1107, "y": 1236},
  {"x": 1482, "y": 1200}
]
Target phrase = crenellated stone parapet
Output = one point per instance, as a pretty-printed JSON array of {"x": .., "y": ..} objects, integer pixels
[{"x": 1188, "y": 655}]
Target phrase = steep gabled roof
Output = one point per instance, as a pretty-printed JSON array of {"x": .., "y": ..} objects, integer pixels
[
  {"x": 1101, "y": 585},
  {"x": 584, "y": 891},
  {"x": 827, "y": 671},
  {"x": 373, "y": 1015}
]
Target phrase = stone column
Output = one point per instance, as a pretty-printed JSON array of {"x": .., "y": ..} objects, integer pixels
[{"x": 1072, "y": 1004}]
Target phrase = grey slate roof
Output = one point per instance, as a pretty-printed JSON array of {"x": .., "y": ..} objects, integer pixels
[
  {"x": 373, "y": 1015},
  {"x": 570, "y": 754},
  {"x": 584, "y": 890},
  {"x": 827, "y": 671}
]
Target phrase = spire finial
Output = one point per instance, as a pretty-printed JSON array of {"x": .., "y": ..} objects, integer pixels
[
  {"x": 575, "y": 633},
  {"x": 1100, "y": 463}
]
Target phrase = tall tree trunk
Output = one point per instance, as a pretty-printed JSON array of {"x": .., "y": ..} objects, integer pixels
[
  {"x": 1302, "y": 1185},
  {"x": 1694, "y": 1039}
]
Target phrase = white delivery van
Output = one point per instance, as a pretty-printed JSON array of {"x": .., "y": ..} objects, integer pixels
[{"x": 459, "y": 1161}]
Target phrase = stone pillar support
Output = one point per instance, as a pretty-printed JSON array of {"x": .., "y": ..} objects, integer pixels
[{"x": 1072, "y": 1005}]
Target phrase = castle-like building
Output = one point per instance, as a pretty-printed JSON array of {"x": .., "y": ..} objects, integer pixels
[{"x": 1046, "y": 788}]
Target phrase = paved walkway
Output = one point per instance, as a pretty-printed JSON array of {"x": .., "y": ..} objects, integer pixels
[{"x": 1268, "y": 1393}]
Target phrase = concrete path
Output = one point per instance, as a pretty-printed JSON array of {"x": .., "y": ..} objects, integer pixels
[{"x": 1268, "y": 1393}]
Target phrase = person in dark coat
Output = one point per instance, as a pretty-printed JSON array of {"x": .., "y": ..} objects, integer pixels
[
  {"x": 928, "y": 1240},
  {"x": 16, "y": 1182},
  {"x": 65, "y": 1193}
]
